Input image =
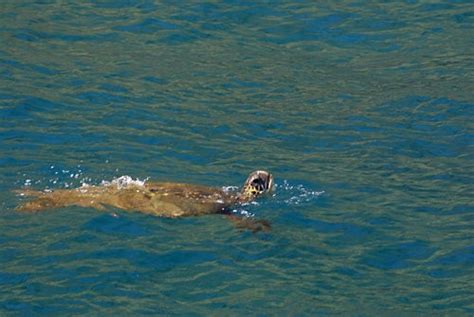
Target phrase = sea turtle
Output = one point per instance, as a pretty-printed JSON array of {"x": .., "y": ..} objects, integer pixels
[{"x": 159, "y": 199}]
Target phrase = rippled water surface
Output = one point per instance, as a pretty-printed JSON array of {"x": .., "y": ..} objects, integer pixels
[{"x": 363, "y": 111}]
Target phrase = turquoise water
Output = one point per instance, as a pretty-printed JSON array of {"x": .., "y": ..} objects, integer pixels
[{"x": 363, "y": 111}]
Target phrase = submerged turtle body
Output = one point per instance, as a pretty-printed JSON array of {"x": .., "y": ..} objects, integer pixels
[{"x": 160, "y": 199}]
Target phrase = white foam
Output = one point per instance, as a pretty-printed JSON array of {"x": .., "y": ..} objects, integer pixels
[
  {"x": 243, "y": 212},
  {"x": 124, "y": 182},
  {"x": 228, "y": 189},
  {"x": 253, "y": 202}
]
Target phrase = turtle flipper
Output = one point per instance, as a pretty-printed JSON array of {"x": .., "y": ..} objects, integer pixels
[{"x": 255, "y": 225}]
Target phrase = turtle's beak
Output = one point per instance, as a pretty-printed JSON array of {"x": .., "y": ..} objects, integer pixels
[
  {"x": 270, "y": 184},
  {"x": 267, "y": 180}
]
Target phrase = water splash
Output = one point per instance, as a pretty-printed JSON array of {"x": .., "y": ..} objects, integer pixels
[
  {"x": 230, "y": 189},
  {"x": 64, "y": 177},
  {"x": 284, "y": 193},
  {"x": 124, "y": 182},
  {"x": 67, "y": 177},
  {"x": 243, "y": 212},
  {"x": 295, "y": 194},
  {"x": 73, "y": 177}
]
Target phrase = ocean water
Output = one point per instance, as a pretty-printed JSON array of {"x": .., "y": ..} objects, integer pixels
[{"x": 362, "y": 110}]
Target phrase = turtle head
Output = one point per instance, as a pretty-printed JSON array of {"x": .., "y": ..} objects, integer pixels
[{"x": 258, "y": 183}]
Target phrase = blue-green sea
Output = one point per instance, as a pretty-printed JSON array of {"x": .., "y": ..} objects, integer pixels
[{"x": 362, "y": 110}]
